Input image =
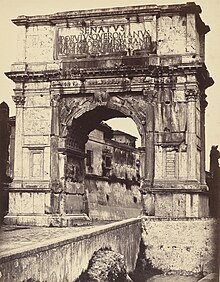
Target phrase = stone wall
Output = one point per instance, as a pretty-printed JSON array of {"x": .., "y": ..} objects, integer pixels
[
  {"x": 143, "y": 62},
  {"x": 4, "y": 141},
  {"x": 112, "y": 200},
  {"x": 111, "y": 176},
  {"x": 4, "y": 157},
  {"x": 176, "y": 204},
  {"x": 64, "y": 259},
  {"x": 177, "y": 245},
  {"x": 181, "y": 245}
]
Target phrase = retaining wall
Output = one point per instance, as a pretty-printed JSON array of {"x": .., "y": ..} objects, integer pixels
[
  {"x": 64, "y": 260},
  {"x": 179, "y": 245}
]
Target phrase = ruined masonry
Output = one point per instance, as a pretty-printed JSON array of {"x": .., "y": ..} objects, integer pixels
[{"x": 76, "y": 69}]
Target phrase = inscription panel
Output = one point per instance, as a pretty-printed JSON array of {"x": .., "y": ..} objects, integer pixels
[{"x": 106, "y": 38}]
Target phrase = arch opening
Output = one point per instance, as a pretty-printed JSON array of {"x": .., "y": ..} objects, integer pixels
[{"x": 106, "y": 166}]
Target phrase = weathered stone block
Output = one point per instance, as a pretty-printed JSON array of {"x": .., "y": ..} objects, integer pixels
[
  {"x": 39, "y": 203},
  {"x": 182, "y": 165},
  {"x": 192, "y": 41},
  {"x": 18, "y": 67},
  {"x": 158, "y": 163},
  {"x": 36, "y": 140},
  {"x": 47, "y": 163},
  {"x": 179, "y": 245},
  {"x": 37, "y": 121},
  {"x": 40, "y": 100},
  {"x": 55, "y": 205},
  {"x": 27, "y": 203},
  {"x": 39, "y": 44},
  {"x": 21, "y": 41},
  {"x": 74, "y": 204},
  {"x": 74, "y": 187},
  {"x": 164, "y": 205},
  {"x": 48, "y": 207},
  {"x": 36, "y": 67},
  {"x": 171, "y": 35},
  {"x": 179, "y": 205},
  {"x": 148, "y": 204},
  {"x": 34, "y": 87},
  {"x": 15, "y": 203}
]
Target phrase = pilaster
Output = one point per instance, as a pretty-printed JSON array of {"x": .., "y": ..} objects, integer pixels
[
  {"x": 55, "y": 91},
  {"x": 203, "y": 105},
  {"x": 191, "y": 94},
  {"x": 19, "y": 100}
]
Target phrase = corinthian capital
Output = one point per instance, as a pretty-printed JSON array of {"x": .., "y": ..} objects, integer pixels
[
  {"x": 19, "y": 100},
  {"x": 55, "y": 92},
  {"x": 191, "y": 94},
  {"x": 55, "y": 97}
]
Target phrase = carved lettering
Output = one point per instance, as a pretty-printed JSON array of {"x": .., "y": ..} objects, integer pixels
[{"x": 103, "y": 40}]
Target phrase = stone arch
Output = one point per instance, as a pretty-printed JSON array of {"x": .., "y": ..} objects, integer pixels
[
  {"x": 106, "y": 265},
  {"x": 114, "y": 103},
  {"x": 78, "y": 117},
  {"x": 164, "y": 93}
]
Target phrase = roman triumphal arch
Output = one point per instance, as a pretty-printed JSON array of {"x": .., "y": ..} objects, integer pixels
[{"x": 76, "y": 69}]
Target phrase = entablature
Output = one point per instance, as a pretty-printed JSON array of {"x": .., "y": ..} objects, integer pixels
[{"x": 114, "y": 76}]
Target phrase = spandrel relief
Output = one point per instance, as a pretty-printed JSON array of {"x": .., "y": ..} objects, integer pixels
[{"x": 74, "y": 175}]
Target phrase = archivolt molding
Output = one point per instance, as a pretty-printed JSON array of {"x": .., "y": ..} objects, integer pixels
[
  {"x": 70, "y": 108},
  {"x": 151, "y": 90},
  {"x": 131, "y": 106},
  {"x": 73, "y": 107}
]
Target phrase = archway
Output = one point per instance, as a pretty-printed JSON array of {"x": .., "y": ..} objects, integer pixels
[
  {"x": 102, "y": 176},
  {"x": 60, "y": 86}
]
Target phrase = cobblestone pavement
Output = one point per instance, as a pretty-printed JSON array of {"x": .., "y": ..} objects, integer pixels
[{"x": 16, "y": 238}]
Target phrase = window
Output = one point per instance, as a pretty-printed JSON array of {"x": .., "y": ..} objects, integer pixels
[
  {"x": 89, "y": 158},
  {"x": 108, "y": 162}
]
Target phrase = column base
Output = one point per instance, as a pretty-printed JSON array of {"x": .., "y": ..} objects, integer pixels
[{"x": 52, "y": 220}]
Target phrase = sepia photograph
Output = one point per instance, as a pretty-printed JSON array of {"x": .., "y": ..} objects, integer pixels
[{"x": 109, "y": 141}]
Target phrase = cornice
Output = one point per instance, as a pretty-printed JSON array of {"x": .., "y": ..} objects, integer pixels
[
  {"x": 129, "y": 11},
  {"x": 27, "y": 76},
  {"x": 122, "y": 71}
]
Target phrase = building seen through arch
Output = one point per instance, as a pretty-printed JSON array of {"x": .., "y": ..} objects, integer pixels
[{"x": 110, "y": 172}]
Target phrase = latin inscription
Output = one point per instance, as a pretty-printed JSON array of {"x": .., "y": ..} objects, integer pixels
[{"x": 103, "y": 40}]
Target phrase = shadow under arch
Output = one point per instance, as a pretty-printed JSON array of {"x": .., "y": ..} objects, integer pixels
[{"x": 95, "y": 113}]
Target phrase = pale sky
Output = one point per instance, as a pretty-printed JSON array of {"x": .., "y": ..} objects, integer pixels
[{"x": 210, "y": 15}]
